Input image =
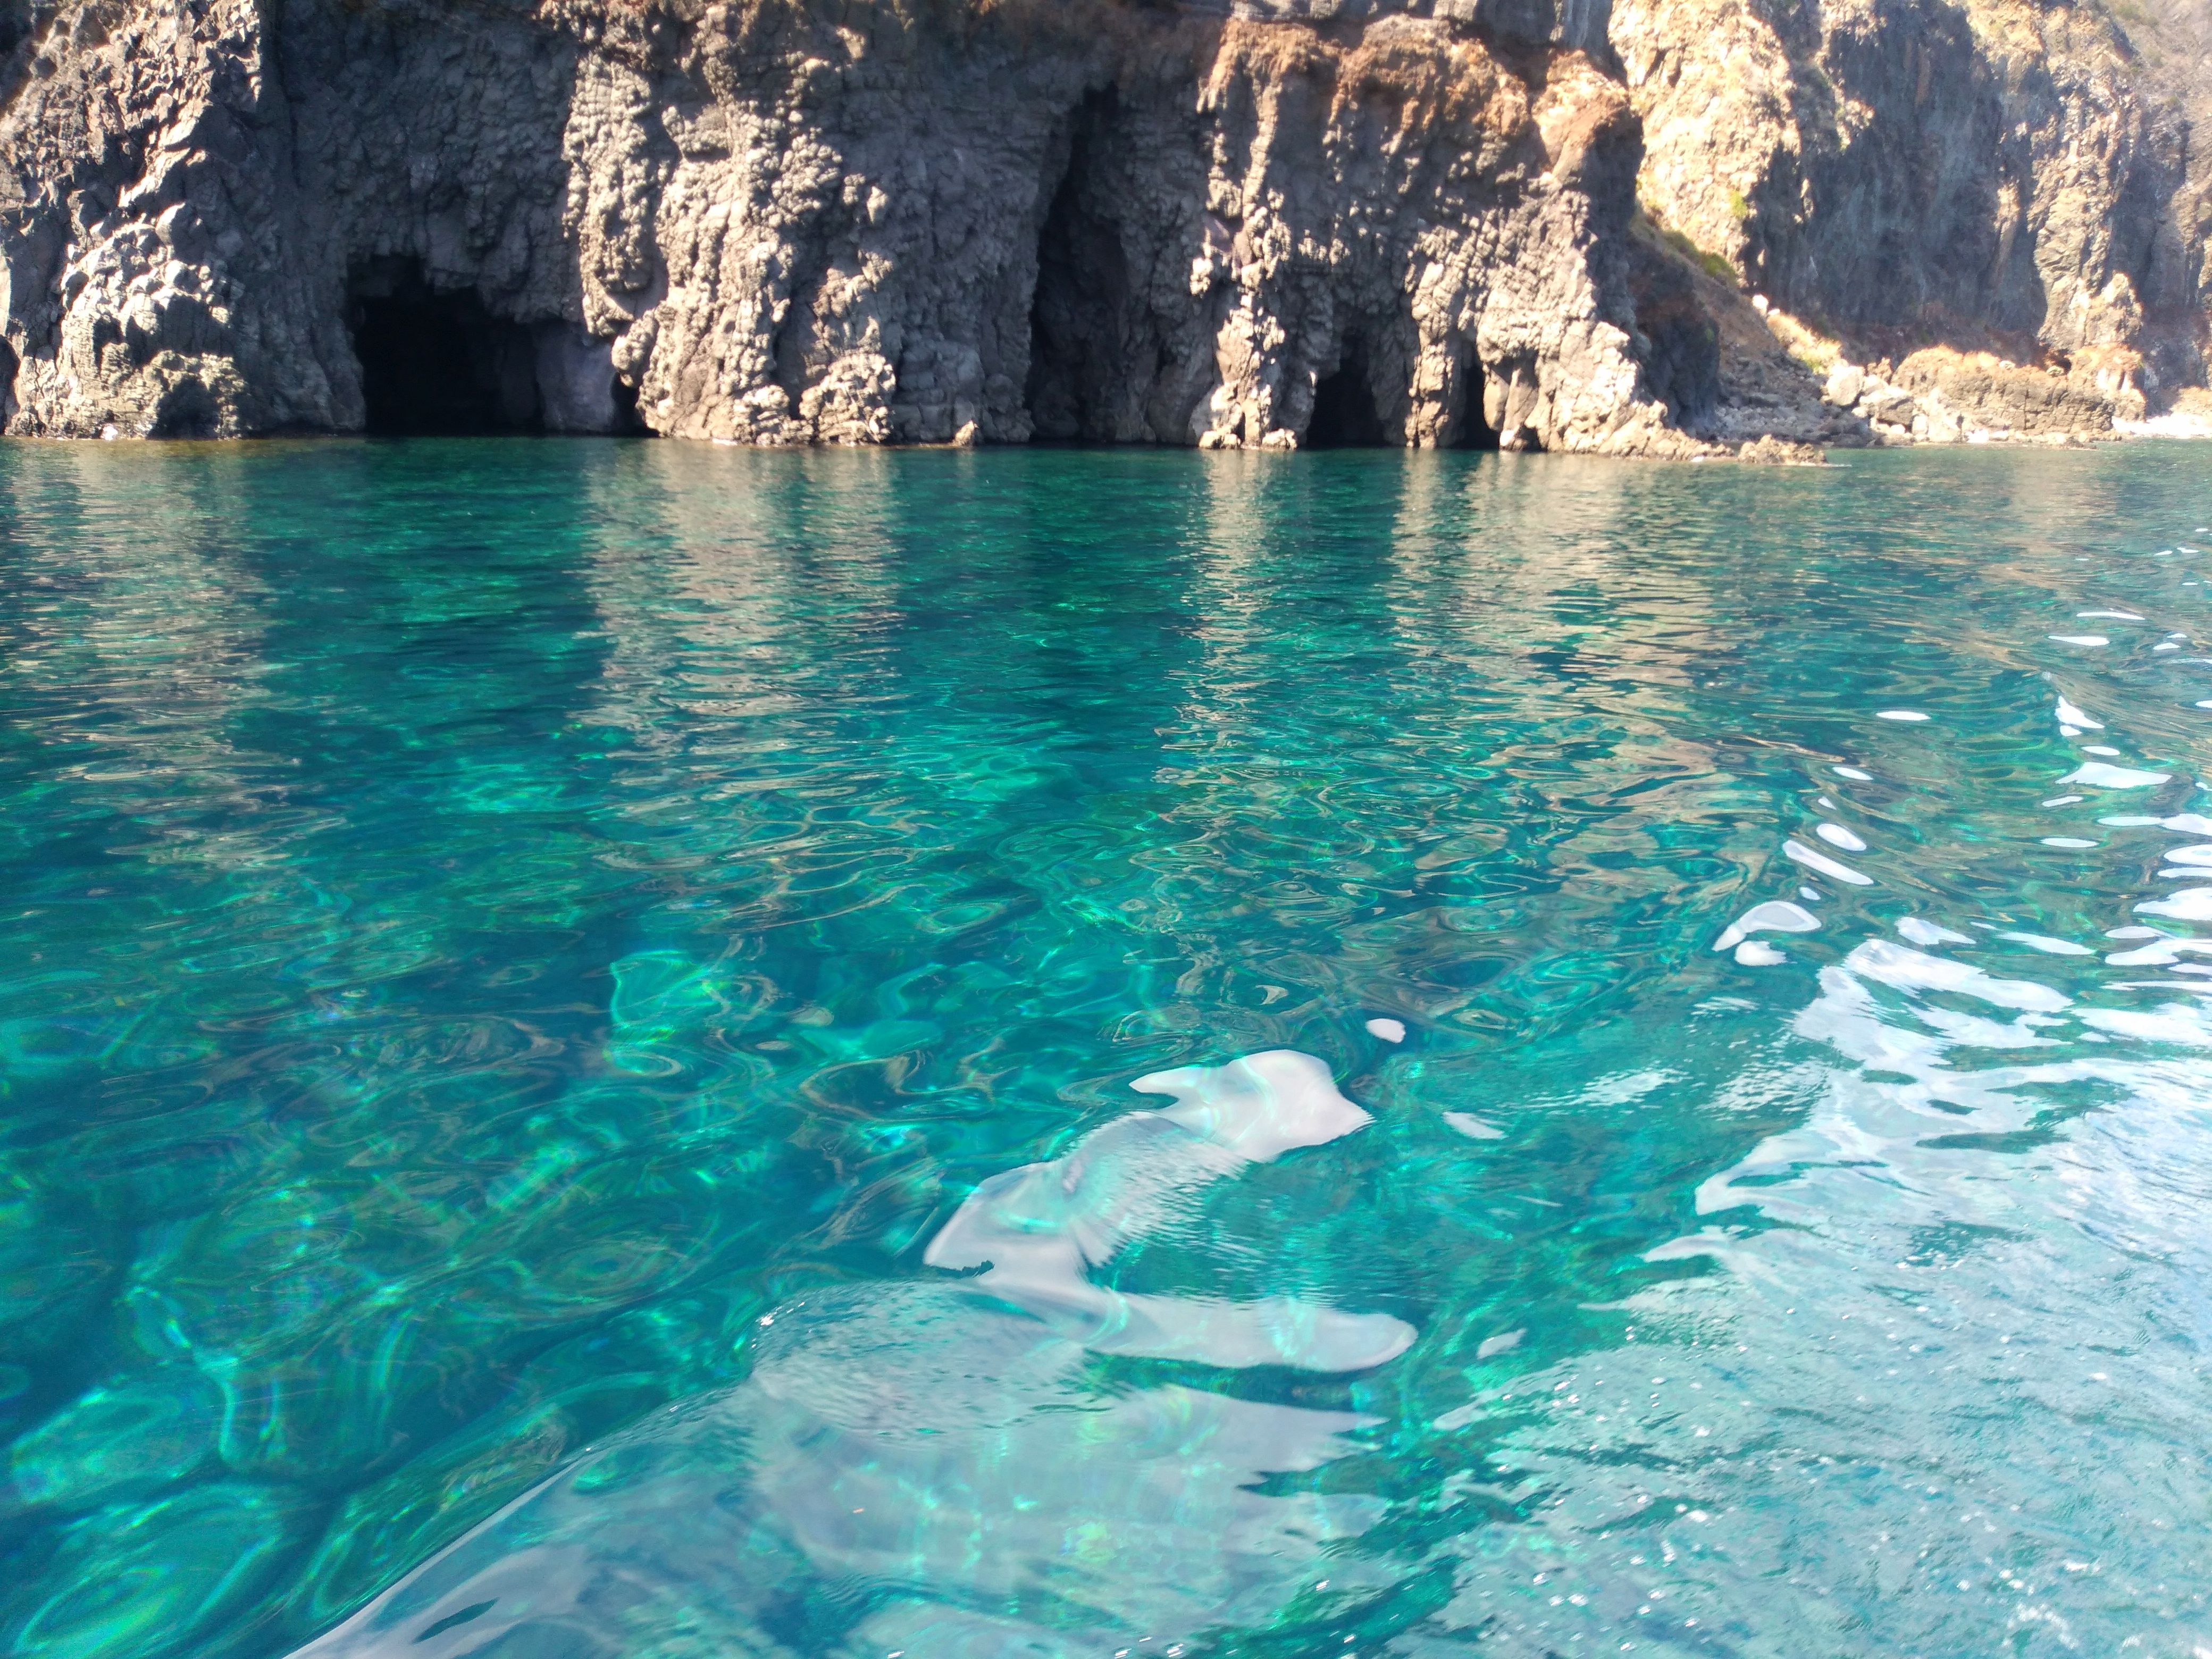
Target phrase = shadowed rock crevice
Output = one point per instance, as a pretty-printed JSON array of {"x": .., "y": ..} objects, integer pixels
[
  {"x": 187, "y": 410},
  {"x": 1470, "y": 431},
  {"x": 1078, "y": 321},
  {"x": 1681, "y": 344},
  {"x": 1346, "y": 414}
]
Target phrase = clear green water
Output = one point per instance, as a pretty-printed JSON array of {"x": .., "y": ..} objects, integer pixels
[{"x": 519, "y": 958}]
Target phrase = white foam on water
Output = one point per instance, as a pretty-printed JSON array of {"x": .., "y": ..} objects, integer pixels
[
  {"x": 1798, "y": 853},
  {"x": 1899, "y": 715},
  {"x": 1774, "y": 917},
  {"x": 1757, "y": 953},
  {"x": 1914, "y": 970},
  {"x": 2096, "y": 775},
  {"x": 2161, "y": 952},
  {"x": 1390, "y": 1030},
  {"x": 1836, "y": 835},
  {"x": 2176, "y": 1022},
  {"x": 2072, "y": 716},
  {"x": 2048, "y": 945},
  {"x": 2190, "y": 904},
  {"x": 1930, "y": 933}
]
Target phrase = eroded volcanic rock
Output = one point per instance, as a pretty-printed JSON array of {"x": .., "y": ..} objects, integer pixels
[{"x": 994, "y": 221}]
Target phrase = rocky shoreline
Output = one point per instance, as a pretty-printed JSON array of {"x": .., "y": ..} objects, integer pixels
[{"x": 1547, "y": 224}]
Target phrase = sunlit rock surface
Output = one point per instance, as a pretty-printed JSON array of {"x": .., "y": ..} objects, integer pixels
[{"x": 1267, "y": 224}]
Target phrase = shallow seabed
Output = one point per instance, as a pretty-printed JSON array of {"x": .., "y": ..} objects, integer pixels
[{"x": 569, "y": 1013}]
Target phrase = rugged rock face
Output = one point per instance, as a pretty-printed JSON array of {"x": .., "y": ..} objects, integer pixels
[
  {"x": 857, "y": 223},
  {"x": 1912, "y": 172},
  {"x": 987, "y": 220}
]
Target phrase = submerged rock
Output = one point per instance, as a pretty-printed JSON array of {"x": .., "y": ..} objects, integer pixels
[
  {"x": 949, "y": 1458},
  {"x": 1772, "y": 451}
]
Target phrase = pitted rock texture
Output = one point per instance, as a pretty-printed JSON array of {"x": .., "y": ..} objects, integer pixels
[
  {"x": 772, "y": 224},
  {"x": 1240, "y": 222},
  {"x": 1995, "y": 175}
]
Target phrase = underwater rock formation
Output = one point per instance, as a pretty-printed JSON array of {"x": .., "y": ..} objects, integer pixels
[
  {"x": 882, "y": 1425},
  {"x": 1294, "y": 222}
]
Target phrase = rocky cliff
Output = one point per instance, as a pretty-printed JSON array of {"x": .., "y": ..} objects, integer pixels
[{"x": 1532, "y": 222}]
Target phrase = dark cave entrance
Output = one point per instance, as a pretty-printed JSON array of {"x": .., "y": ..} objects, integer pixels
[
  {"x": 1474, "y": 432},
  {"x": 1082, "y": 297},
  {"x": 434, "y": 362},
  {"x": 187, "y": 410},
  {"x": 1348, "y": 415},
  {"x": 1345, "y": 412}
]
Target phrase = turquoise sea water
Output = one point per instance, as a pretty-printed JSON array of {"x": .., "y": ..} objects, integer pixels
[{"x": 568, "y": 1016}]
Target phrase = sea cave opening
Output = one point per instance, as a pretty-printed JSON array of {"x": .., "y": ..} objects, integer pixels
[
  {"x": 1082, "y": 295},
  {"x": 1345, "y": 413},
  {"x": 434, "y": 362},
  {"x": 1473, "y": 432}
]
